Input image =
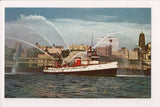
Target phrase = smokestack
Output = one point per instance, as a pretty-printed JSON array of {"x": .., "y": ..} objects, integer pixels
[
  {"x": 54, "y": 45},
  {"x": 37, "y": 45}
]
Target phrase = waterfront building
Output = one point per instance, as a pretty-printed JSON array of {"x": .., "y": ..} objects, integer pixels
[
  {"x": 101, "y": 51},
  {"x": 44, "y": 59},
  {"x": 129, "y": 54},
  {"x": 50, "y": 50},
  {"x": 148, "y": 47},
  {"x": 148, "y": 51},
  {"x": 144, "y": 52},
  {"x": 78, "y": 47},
  {"x": 136, "y": 49},
  {"x": 142, "y": 41},
  {"x": 133, "y": 55},
  {"x": 125, "y": 52},
  {"x": 117, "y": 54},
  {"x": 29, "y": 52},
  {"x": 9, "y": 52},
  {"x": 107, "y": 46}
]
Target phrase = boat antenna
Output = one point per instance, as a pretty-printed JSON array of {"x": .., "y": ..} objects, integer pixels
[{"x": 92, "y": 40}]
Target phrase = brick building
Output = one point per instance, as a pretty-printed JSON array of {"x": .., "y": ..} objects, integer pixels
[{"x": 78, "y": 47}]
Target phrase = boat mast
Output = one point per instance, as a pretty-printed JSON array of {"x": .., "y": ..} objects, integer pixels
[{"x": 92, "y": 40}]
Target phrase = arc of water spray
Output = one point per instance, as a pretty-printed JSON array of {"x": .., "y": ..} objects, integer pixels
[
  {"x": 77, "y": 55},
  {"x": 43, "y": 38},
  {"x": 105, "y": 38},
  {"x": 49, "y": 22},
  {"x": 110, "y": 35},
  {"x": 32, "y": 46},
  {"x": 53, "y": 26},
  {"x": 95, "y": 45}
]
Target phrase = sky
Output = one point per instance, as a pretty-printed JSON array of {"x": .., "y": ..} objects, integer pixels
[{"x": 64, "y": 26}]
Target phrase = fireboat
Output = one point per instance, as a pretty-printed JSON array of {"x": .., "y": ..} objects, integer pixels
[{"x": 89, "y": 66}]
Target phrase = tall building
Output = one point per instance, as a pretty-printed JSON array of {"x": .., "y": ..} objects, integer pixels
[
  {"x": 107, "y": 46},
  {"x": 142, "y": 47},
  {"x": 142, "y": 41}
]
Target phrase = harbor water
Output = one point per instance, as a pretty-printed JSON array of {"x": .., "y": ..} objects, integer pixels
[{"x": 39, "y": 85}]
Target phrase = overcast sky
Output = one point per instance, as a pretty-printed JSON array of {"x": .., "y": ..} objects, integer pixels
[{"x": 63, "y": 26}]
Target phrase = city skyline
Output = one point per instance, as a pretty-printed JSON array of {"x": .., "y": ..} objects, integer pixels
[
  {"x": 77, "y": 24},
  {"x": 118, "y": 69}
]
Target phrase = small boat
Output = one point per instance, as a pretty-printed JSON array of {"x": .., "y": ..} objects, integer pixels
[{"x": 88, "y": 67}]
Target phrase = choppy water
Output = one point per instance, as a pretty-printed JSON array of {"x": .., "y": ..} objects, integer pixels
[{"x": 65, "y": 86}]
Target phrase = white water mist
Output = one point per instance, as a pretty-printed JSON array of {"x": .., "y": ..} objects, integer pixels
[
  {"x": 32, "y": 46},
  {"x": 16, "y": 58}
]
